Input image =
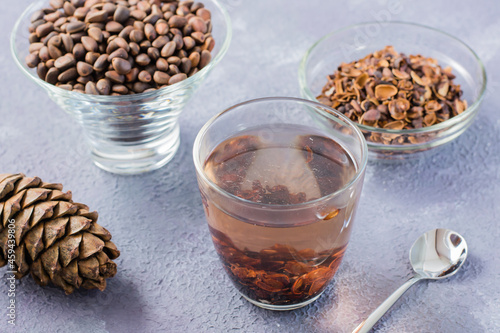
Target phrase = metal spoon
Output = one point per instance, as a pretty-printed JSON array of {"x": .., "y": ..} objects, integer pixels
[{"x": 437, "y": 254}]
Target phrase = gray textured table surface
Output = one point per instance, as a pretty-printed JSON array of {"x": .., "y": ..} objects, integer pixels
[{"x": 169, "y": 276}]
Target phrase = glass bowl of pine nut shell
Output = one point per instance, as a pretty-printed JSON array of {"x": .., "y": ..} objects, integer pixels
[{"x": 408, "y": 87}]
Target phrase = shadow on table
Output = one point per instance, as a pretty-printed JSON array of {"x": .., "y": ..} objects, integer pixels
[
  {"x": 448, "y": 170},
  {"x": 169, "y": 190},
  {"x": 439, "y": 305},
  {"x": 119, "y": 308}
]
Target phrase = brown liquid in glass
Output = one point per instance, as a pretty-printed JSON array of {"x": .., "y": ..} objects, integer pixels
[{"x": 290, "y": 259}]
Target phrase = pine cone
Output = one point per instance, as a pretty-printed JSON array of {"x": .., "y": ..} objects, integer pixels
[{"x": 52, "y": 237}]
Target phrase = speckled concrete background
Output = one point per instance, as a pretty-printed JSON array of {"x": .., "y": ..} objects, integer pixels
[{"x": 169, "y": 277}]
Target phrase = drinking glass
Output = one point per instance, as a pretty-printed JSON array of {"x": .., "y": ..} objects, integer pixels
[{"x": 282, "y": 253}]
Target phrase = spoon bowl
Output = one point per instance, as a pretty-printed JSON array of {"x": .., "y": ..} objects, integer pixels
[{"x": 437, "y": 254}]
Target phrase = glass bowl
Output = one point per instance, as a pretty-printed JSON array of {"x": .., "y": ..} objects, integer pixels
[
  {"x": 357, "y": 41},
  {"x": 127, "y": 134}
]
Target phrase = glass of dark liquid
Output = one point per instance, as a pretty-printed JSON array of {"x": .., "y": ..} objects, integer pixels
[{"x": 280, "y": 180}]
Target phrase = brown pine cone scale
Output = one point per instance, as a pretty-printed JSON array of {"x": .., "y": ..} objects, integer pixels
[{"x": 43, "y": 232}]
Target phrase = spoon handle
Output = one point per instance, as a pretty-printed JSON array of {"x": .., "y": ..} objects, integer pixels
[{"x": 372, "y": 319}]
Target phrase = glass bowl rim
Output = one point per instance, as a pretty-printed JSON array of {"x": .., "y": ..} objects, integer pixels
[
  {"x": 30, "y": 72},
  {"x": 424, "y": 130},
  {"x": 354, "y": 179}
]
